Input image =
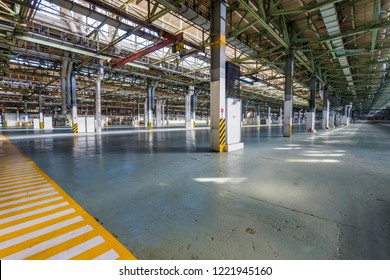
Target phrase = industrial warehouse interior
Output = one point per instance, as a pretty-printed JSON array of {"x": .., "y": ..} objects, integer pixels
[{"x": 195, "y": 130}]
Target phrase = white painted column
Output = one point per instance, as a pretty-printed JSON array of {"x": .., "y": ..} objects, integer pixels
[
  {"x": 63, "y": 86},
  {"x": 146, "y": 116},
  {"x": 159, "y": 119},
  {"x": 288, "y": 94},
  {"x": 269, "y": 116},
  {"x": 188, "y": 106},
  {"x": 218, "y": 73},
  {"x": 258, "y": 115},
  {"x": 26, "y": 124},
  {"x": 325, "y": 111},
  {"x": 98, "y": 106},
  {"x": 72, "y": 92},
  {"x": 18, "y": 118},
  {"x": 41, "y": 122},
  {"x": 280, "y": 118},
  {"x": 311, "y": 115}
]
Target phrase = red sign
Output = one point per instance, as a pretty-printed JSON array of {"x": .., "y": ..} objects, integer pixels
[{"x": 222, "y": 110}]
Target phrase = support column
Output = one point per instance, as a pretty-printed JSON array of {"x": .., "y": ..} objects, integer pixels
[
  {"x": 69, "y": 84},
  {"x": 194, "y": 108},
  {"x": 26, "y": 124},
  {"x": 149, "y": 104},
  {"x": 269, "y": 116},
  {"x": 63, "y": 86},
  {"x": 325, "y": 110},
  {"x": 146, "y": 120},
  {"x": 300, "y": 116},
  {"x": 244, "y": 112},
  {"x": 163, "y": 113},
  {"x": 311, "y": 114},
  {"x": 208, "y": 116},
  {"x": 280, "y": 119},
  {"x": 106, "y": 124},
  {"x": 346, "y": 118},
  {"x": 18, "y": 118},
  {"x": 73, "y": 95},
  {"x": 288, "y": 93},
  {"x": 331, "y": 118},
  {"x": 167, "y": 112},
  {"x": 258, "y": 115},
  {"x": 218, "y": 75},
  {"x": 41, "y": 123},
  {"x": 189, "y": 95},
  {"x": 98, "y": 105},
  {"x": 137, "y": 115},
  {"x": 159, "y": 108}
]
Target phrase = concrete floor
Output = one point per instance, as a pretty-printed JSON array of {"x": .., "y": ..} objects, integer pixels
[{"x": 166, "y": 196}]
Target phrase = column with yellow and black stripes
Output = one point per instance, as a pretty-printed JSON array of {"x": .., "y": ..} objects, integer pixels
[
  {"x": 218, "y": 75},
  {"x": 222, "y": 134},
  {"x": 75, "y": 128}
]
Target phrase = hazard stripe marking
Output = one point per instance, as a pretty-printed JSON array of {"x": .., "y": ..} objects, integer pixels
[
  {"x": 222, "y": 133},
  {"x": 38, "y": 220}
]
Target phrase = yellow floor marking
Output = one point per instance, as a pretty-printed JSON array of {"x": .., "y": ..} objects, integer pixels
[
  {"x": 15, "y": 187},
  {"x": 24, "y": 200},
  {"x": 12, "y": 183},
  {"x": 42, "y": 238},
  {"x": 38, "y": 220},
  {"x": 92, "y": 253},
  {"x": 64, "y": 246},
  {"x": 37, "y": 226},
  {"x": 29, "y": 207}
]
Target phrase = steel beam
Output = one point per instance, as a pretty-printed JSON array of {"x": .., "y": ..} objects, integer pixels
[
  {"x": 367, "y": 28},
  {"x": 175, "y": 39},
  {"x": 304, "y": 9}
]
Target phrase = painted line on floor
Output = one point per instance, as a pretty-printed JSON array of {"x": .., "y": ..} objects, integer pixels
[{"x": 38, "y": 220}]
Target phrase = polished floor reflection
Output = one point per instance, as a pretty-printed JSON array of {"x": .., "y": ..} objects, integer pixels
[{"x": 166, "y": 196}]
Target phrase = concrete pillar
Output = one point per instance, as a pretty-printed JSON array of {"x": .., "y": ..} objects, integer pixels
[
  {"x": 159, "y": 109},
  {"x": 189, "y": 95},
  {"x": 269, "y": 116},
  {"x": 25, "y": 114},
  {"x": 106, "y": 124},
  {"x": 63, "y": 86},
  {"x": 300, "y": 116},
  {"x": 218, "y": 75},
  {"x": 150, "y": 104},
  {"x": 73, "y": 100},
  {"x": 98, "y": 105},
  {"x": 194, "y": 106},
  {"x": 258, "y": 114},
  {"x": 167, "y": 112},
  {"x": 347, "y": 115},
  {"x": 288, "y": 93},
  {"x": 146, "y": 120},
  {"x": 311, "y": 114},
  {"x": 163, "y": 113},
  {"x": 208, "y": 116},
  {"x": 137, "y": 114},
  {"x": 18, "y": 118},
  {"x": 327, "y": 113},
  {"x": 69, "y": 84},
  {"x": 41, "y": 123},
  {"x": 325, "y": 110},
  {"x": 280, "y": 118},
  {"x": 331, "y": 119}
]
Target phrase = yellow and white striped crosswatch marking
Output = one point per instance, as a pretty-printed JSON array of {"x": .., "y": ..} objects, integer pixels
[{"x": 38, "y": 220}]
